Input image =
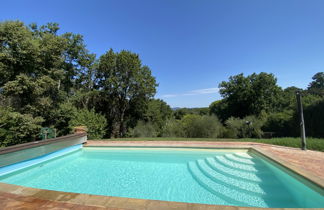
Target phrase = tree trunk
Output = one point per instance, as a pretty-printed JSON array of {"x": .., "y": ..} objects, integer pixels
[{"x": 122, "y": 121}]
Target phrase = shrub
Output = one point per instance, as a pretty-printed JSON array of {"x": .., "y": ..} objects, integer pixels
[
  {"x": 280, "y": 123},
  {"x": 62, "y": 117},
  {"x": 172, "y": 128},
  {"x": 16, "y": 128},
  {"x": 95, "y": 122},
  {"x": 196, "y": 126},
  {"x": 143, "y": 129},
  {"x": 247, "y": 127},
  {"x": 314, "y": 123}
]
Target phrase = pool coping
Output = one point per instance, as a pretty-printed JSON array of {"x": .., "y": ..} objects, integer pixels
[{"x": 88, "y": 200}]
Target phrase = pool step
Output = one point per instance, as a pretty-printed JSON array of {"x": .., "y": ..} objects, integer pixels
[
  {"x": 244, "y": 161},
  {"x": 235, "y": 165},
  {"x": 258, "y": 172},
  {"x": 234, "y": 173},
  {"x": 252, "y": 173},
  {"x": 243, "y": 155},
  {"x": 273, "y": 188},
  {"x": 240, "y": 160},
  {"x": 239, "y": 184},
  {"x": 232, "y": 195}
]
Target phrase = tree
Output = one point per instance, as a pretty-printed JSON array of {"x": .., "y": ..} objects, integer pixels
[
  {"x": 17, "y": 128},
  {"x": 123, "y": 81},
  {"x": 317, "y": 85},
  {"x": 50, "y": 75},
  {"x": 39, "y": 69},
  {"x": 249, "y": 95},
  {"x": 314, "y": 115},
  {"x": 19, "y": 53},
  {"x": 157, "y": 113},
  {"x": 95, "y": 122},
  {"x": 179, "y": 113},
  {"x": 220, "y": 109}
]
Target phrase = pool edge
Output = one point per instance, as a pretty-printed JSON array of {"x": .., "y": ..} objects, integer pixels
[{"x": 87, "y": 200}]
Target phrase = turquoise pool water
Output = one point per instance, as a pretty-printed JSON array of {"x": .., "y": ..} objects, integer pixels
[{"x": 210, "y": 176}]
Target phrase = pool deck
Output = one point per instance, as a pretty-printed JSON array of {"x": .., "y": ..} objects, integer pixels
[{"x": 308, "y": 164}]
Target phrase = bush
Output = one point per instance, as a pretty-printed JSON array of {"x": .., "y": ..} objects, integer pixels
[
  {"x": 143, "y": 129},
  {"x": 62, "y": 117},
  {"x": 248, "y": 127},
  {"x": 172, "y": 128},
  {"x": 314, "y": 119},
  {"x": 280, "y": 123},
  {"x": 96, "y": 123},
  {"x": 16, "y": 128},
  {"x": 196, "y": 126}
]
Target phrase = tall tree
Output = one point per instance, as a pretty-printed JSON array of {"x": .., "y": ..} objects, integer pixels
[
  {"x": 123, "y": 81},
  {"x": 317, "y": 85},
  {"x": 157, "y": 113},
  {"x": 243, "y": 96},
  {"x": 39, "y": 68}
]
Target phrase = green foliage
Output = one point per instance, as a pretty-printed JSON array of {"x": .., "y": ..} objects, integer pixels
[
  {"x": 50, "y": 79},
  {"x": 173, "y": 128},
  {"x": 249, "y": 95},
  {"x": 143, "y": 129},
  {"x": 17, "y": 128},
  {"x": 31, "y": 95},
  {"x": 195, "y": 126},
  {"x": 68, "y": 116},
  {"x": 220, "y": 109},
  {"x": 287, "y": 99},
  {"x": 96, "y": 123},
  {"x": 317, "y": 85},
  {"x": 247, "y": 127},
  {"x": 179, "y": 113},
  {"x": 49, "y": 75},
  {"x": 313, "y": 116},
  {"x": 280, "y": 123},
  {"x": 123, "y": 81},
  {"x": 157, "y": 113},
  {"x": 61, "y": 118}
]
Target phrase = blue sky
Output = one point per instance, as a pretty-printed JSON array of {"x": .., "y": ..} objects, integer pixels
[{"x": 193, "y": 45}]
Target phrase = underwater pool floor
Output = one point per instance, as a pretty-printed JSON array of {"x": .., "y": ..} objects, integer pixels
[{"x": 234, "y": 178}]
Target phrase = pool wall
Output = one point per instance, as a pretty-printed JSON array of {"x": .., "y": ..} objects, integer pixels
[
  {"x": 37, "y": 160},
  {"x": 22, "y": 152},
  {"x": 293, "y": 180}
]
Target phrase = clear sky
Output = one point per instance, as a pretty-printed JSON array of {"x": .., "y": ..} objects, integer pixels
[{"x": 193, "y": 45}]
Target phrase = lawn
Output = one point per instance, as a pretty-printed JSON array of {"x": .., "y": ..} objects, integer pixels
[{"x": 312, "y": 143}]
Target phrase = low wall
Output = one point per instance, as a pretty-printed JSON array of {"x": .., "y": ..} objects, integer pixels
[{"x": 22, "y": 152}]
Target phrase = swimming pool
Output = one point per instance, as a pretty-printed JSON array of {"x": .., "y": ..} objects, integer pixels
[{"x": 209, "y": 176}]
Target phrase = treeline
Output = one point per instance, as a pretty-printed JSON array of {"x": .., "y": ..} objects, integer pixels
[
  {"x": 50, "y": 79},
  {"x": 252, "y": 106}
]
